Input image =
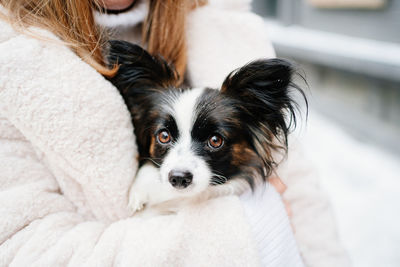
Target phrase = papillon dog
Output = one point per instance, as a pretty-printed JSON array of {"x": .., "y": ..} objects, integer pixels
[{"x": 196, "y": 140}]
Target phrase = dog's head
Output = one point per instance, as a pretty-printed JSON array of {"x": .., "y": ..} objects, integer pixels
[{"x": 200, "y": 137}]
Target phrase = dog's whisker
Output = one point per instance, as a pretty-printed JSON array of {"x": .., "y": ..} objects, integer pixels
[
  {"x": 219, "y": 176},
  {"x": 153, "y": 160},
  {"x": 218, "y": 179}
]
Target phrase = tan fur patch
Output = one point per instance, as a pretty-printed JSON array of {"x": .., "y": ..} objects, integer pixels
[
  {"x": 152, "y": 146},
  {"x": 241, "y": 154}
]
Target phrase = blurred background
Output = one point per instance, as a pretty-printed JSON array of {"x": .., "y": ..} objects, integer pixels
[{"x": 349, "y": 51}]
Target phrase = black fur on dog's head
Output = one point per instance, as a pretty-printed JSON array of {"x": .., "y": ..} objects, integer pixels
[{"x": 215, "y": 135}]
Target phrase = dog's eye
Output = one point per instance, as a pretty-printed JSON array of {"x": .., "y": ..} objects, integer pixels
[
  {"x": 215, "y": 141},
  {"x": 163, "y": 137}
]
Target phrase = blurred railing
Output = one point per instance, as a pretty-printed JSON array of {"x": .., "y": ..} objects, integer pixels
[{"x": 351, "y": 54}]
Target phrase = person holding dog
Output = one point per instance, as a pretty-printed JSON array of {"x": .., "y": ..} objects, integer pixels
[{"x": 68, "y": 152}]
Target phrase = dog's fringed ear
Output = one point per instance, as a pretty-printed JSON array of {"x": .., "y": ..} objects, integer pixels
[
  {"x": 140, "y": 76},
  {"x": 263, "y": 92},
  {"x": 138, "y": 69}
]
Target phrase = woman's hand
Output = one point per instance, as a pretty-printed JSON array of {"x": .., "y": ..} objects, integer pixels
[{"x": 276, "y": 182}]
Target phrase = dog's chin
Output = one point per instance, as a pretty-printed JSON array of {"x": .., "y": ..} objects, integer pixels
[{"x": 152, "y": 186}]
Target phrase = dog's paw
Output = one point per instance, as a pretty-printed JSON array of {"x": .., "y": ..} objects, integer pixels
[{"x": 137, "y": 201}]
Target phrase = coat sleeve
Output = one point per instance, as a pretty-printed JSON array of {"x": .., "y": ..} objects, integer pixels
[
  {"x": 75, "y": 120},
  {"x": 51, "y": 191}
]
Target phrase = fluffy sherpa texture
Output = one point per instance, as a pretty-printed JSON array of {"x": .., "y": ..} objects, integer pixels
[{"x": 226, "y": 39}]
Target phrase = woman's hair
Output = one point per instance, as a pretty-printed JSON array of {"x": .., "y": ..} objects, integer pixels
[
  {"x": 164, "y": 31},
  {"x": 73, "y": 22}
]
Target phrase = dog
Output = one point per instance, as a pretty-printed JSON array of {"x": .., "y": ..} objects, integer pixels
[{"x": 197, "y": 140}]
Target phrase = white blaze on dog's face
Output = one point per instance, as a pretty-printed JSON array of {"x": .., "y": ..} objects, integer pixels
[{"x": 182, "y": 168}]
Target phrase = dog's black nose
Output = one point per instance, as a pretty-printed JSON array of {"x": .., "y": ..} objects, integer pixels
[{"x": 180, "y": 179}]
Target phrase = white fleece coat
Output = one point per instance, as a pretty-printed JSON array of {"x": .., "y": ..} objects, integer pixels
[{"x": 67, "y": 160}]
